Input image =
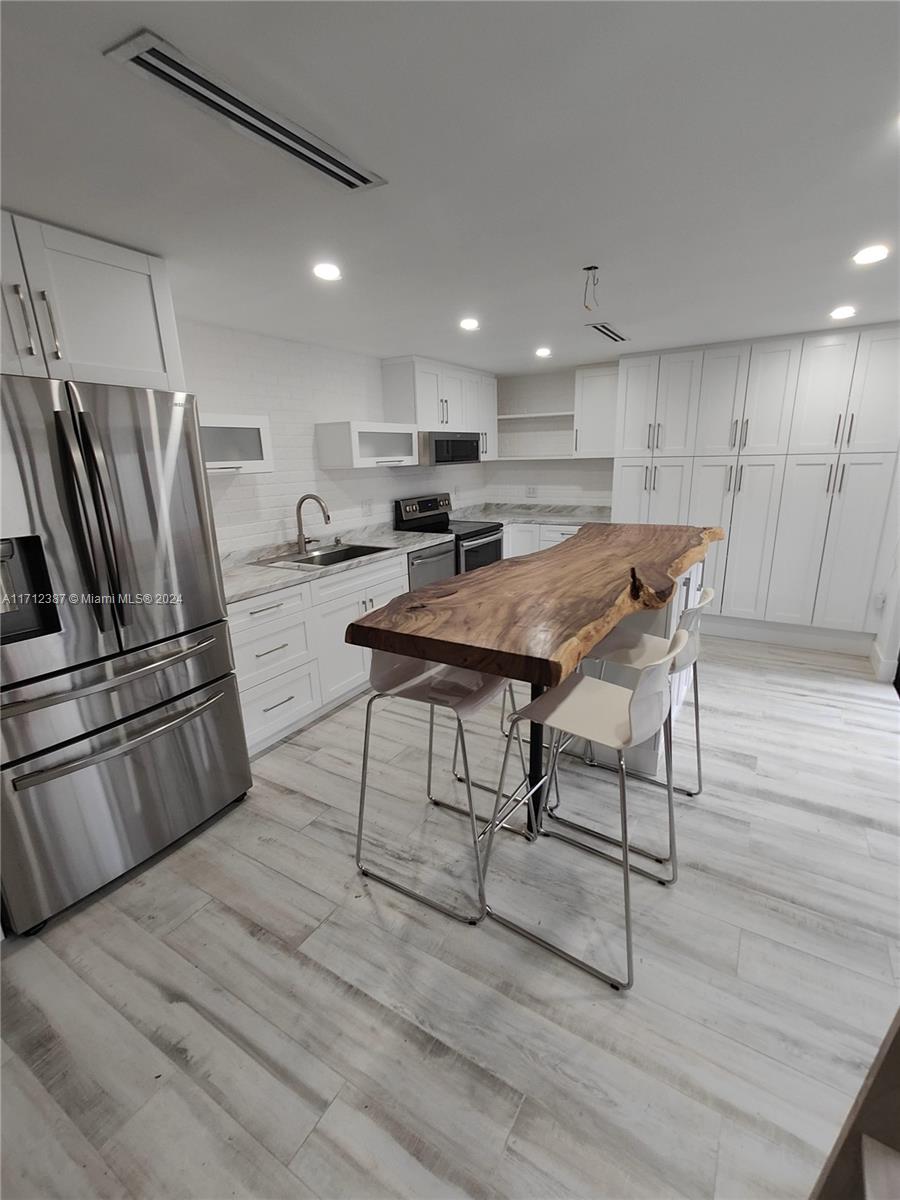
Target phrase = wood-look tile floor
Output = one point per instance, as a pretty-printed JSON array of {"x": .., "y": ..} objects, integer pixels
[{"x": 247, "y": 1017}]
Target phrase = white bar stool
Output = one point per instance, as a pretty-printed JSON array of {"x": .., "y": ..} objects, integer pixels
[
  {"x": 616, "y": 717},
  {"x": 462, "y": 691}
]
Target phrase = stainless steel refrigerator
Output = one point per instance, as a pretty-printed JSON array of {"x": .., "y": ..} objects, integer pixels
[{"x": 121, "y": 726}]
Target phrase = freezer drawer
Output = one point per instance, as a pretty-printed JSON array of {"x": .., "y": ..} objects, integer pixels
[
  {"x": 78, "y": 817},
  {"x": 37, "y": 716}
]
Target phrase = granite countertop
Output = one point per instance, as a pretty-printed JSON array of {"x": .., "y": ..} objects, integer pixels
[
  {"x": 537, "y": 514},
  {"x": 245, "y": 577}
]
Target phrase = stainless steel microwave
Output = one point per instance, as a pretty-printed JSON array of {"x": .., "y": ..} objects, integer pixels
[{"x": 440, "y": 448}]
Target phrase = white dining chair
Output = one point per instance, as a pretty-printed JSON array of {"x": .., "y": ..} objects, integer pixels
[{"x": 613, "y": 716}]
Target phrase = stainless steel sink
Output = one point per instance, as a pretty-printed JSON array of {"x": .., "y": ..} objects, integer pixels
[{"x": 326, "y": 557}]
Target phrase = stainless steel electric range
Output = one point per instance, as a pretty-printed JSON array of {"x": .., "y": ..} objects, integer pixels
[{"x": 478, "y": 543}]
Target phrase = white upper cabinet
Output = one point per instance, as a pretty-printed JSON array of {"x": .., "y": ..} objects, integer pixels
[
  {"x": 669, "y": 491},
  {"x": 823, "y": 388},
  {"x": 859, "y": 505},
  {"x": 22, "y": 351},
  {"x": 677, "y": 401},
  {"x": 596, "y": 392},
  {"x": 432, "y": 395},
  {"x": 802, "y": 520},
  {"x": 712, "y": 494},
  {"x": 453, "y": 394},
  {"x": 771, "y": 386},
  {"x": 631, "y": 490},
  {"x": 723, "y": 385},
  {"x": 873, "y": 420},
  {"x": 427, "y": 404},
  {"x": 636, "y": 407},
  {"x": 487, "y": 391},
  {"x": 104, "y": 312},
  {"x": 754, "y": 518}
]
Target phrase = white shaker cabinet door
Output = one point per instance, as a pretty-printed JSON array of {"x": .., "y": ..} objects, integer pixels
[
  {"x": 800, "y": 540},
  {"x": 596, "y": 391},
  {"x": 342, "y": 667},
  {"x": 631, "y": 490},
  {"x": 104, "y": 312},
  {"x": 723, "y": 385},
  {"x": 754, "y": 518},
  {"x": 771, "y": 387},
  {"x": 670, "y": 491},
  {"x": 677, "y": 402},
  {"x": 823, "y": 387},
  {"x": 453, "y": 394},
  {"x": 488, "y": 405},
  {"x": 636, "y": 406},
  {"x": 520, "y": 539},
  {"x": 712, "y": 494},
  {"x": 22, "y": 353},
  {"x": 429, "y": 406},
  {"x": 873, "y": 419},
  {"x": 858, "y": 510}
]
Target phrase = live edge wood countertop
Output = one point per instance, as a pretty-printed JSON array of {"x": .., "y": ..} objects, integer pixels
[{"x": 535, "y": 617}]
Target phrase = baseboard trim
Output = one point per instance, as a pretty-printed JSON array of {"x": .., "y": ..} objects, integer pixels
[
  {"x": 861, "y": 645},
  {"x": 885, "y": 668}
]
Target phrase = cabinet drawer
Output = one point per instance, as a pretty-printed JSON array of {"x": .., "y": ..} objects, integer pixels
[
  {"x": 272, "y": 708},
  {"x": 551, "y": 534},
  {"x": 253, "y": 613},
  {"x": 271, "y": 649},
  {"x": 359, "y": 580}
]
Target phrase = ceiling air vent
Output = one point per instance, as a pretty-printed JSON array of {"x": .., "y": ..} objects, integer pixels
[
  {"x": 607, "y": 331},
  {"x": 151, "y": 55}
]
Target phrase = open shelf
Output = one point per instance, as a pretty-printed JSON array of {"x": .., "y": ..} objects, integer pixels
[{"x": 535, "y": 416}]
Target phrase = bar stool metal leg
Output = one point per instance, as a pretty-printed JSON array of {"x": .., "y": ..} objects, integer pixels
[
  {"x": 368, "y": 872},
  {"x": 699, "y": 787}
]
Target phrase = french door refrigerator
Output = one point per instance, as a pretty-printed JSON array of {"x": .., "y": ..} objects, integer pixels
[{"x": 121, "y": 726}]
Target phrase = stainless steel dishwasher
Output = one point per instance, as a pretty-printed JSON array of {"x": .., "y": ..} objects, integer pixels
[{"x": 431, "y": 565}]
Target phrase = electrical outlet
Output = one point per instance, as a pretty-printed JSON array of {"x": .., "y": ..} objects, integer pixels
[
  {"x": 366, "y": 508},
  {"x": 531, "y": 491}
]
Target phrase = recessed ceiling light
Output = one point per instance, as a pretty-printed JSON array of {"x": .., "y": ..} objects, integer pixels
[
  {"x": 329, "y": 271},
  {"x": 842, "y": 312},
  {"x": 543, "y": 352},
  {"x": 469, "y": 324},
  {"x": 870, "y": 254}
]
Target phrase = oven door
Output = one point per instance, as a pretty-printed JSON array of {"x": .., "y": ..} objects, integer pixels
[{"x": 480, "y": 552}]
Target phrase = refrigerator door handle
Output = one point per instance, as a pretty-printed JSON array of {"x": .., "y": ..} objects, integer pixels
[
  {"x": 36, "y": 778},
  {"x": 103, "y": 482},
  {"x": 78, "y": 473},
  {"x": 19, "y": 707}
]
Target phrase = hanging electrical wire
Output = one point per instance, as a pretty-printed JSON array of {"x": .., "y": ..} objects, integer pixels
[{"x": 592, "y": 281}]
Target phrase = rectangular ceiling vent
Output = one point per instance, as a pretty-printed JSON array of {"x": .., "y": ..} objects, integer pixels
[
  {"x": 607, "y": 331},
  {"x": 149, "y": 54}
]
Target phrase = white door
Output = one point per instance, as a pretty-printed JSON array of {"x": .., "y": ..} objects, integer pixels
[
  {"x": 22, "y": 352},
  {"x": 712, "y": 494},
  {"x": 429, "y": 408},
  {"x": 341, "y": 667},
  {"x": 488, "y": 404},
  {"x": 453, "y": 396},
  {"x": 800, "y": 539},
  {"x": 723, "y": 386},
  {"x": 771, "y": 386},
  {"x": 631, "y": 490},
  {"x": 874, "y": 413},
  {"x": 596, "y": 392},
  {"x": 754, "y": 518},
  {"x": 636, "y": 404},
  {"x": 677, "y": 401},
  {"x": 472, "y": 416},
  {"x": 520, "y": 539},
  {"x": 104, "y": 313},
  {"x": 858, "y": 508},
  {"x": 670, "y": 491},
  {"x": 823, "y": 387}
]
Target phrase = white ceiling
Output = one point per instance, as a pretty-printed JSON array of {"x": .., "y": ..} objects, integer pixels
[{"x": 719, "y": 162}]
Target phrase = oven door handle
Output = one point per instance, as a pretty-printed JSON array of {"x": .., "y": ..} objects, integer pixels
[{"x": 493, "y": 537}]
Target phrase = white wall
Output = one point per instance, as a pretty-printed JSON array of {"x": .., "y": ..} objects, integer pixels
[{"x": 572, "y": 481}]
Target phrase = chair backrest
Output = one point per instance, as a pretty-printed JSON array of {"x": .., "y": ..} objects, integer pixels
[
  {"x": 651, "y": 697},
  {"x": 690, "y": 623}
]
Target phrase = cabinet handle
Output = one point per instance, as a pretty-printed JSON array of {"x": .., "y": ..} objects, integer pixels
[
  {"x": 733, "y": 438},
  {"x": 576, "y": 441},
  {"x": 646, "y": 477},
  {"x": 841, "y": 484},
  {"x": 57, "y": 352},
  {"x": 828, "y": 483},
  {"x": 658, "y": 432},
  {"x": 650, "y": 436},
  {"x": 386, "y": 462},
  {"x": 275, "y": 649},
  {"x": 740, "y": 476},
  {"x": 268, "y": 608},
  {"x": 837, "y": 432},
  {"x": 655, "y": 469},
  {"x": 286, "y": 700},
  {"x": 746, "y": 430},
  {"x": 212, "y": 470},
  {"x": 20, "y": 296},
  {"x": 730, "y": 474},
  {"x": 850, "y": 428}
]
